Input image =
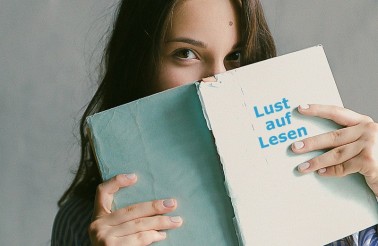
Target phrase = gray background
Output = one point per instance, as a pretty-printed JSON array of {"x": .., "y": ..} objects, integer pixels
[{"x": 48, "y": 59}]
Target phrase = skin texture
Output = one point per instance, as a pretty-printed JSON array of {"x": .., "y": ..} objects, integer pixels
[
  {"x": 138, "y": 224},
  {"x": 200, "y": 42},
  {"x": 203, "y": 40},
  {"x": 354, "y": 149}
]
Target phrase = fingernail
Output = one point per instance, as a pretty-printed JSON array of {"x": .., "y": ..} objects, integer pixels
[
  {"x": 176, "y": 219},
  {"x": 169, "y": 203},
  {"x": 303, "y": 166},
  {"x": 322, "y": 170},
  {"x": 304, "y": 106},
  {"x": 130, "y": 176},
  {"x": 298, "y": 145},
  {"x": 164, "y": 234}
]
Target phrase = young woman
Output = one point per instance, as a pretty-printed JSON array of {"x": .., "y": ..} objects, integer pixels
[{"x": 160, "y": 44}]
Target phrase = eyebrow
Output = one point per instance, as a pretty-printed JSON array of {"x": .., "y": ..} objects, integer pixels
[
  {"x": 196, "y": 42},
  {"x": 188, "y": 41}
]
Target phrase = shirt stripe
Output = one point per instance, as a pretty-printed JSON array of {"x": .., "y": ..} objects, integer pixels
[{"x": 72, "y": 221}]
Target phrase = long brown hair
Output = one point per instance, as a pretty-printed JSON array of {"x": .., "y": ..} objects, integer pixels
[{"x": 130, "y": 64}]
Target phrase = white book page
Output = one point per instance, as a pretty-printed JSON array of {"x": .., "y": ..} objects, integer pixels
[{"x": 274, "y": 203}]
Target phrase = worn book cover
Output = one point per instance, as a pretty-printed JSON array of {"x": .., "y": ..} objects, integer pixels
[
  {"x": 164, "y": 139},
  {"x": 222, "y": 149}
]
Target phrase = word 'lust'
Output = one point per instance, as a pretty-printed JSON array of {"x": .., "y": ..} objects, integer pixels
[
  {"x": 271, "y": 108},
  {"x": 282, "y": 121}
]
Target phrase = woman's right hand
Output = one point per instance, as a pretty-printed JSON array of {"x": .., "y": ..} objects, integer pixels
[{"x": 138, "y": 224}]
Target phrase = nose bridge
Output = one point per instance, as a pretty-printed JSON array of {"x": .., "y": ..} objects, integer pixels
[{"x": 217, "y": 66}]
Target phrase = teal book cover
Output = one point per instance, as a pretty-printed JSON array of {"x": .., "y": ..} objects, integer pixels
[
  {"x": 165, "y": 140},
  {"x": 222, "y": 149}
]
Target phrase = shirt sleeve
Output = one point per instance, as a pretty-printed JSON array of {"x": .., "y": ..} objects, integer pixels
[
  {"x": 71, "y": 223},
  {"x": 368, "y": 237}
]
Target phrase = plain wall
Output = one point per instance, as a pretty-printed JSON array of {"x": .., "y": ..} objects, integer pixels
[
  {"x": 47, "y": 51},
  {"x": 348, "y": 30},
  {"x": 48, "y": 56}
]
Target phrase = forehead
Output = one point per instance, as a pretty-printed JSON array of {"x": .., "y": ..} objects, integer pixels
[{"x": 204, "y": 17}]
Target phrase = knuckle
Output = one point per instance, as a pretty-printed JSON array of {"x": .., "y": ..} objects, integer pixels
[
  {"x": 308, "y": 142},
  {"x": 138, "y": 221},
  {"x": 163, "y": 221},
  {"x": 367, "y": 118},
  {"x": 129, "y": 209},
  {"x": 144, "y": 238},
  {"x": 335, "y": 136},
  {"x": 314, "y": 163},
  {"x": 97, "y": 234},
  {"x": 155, "y": 206},
  {"x": 368, "y": 158},
  {"x": 92, "y": 227},
  {"x": 335, "y": 112},
  {"x": 371, "y": 173},
  {"x": 100, "y": 188},
  {"x": 372, "y": 127},
  {"x": 119, "y": 178},
  {"x": 371, "y": 133},
  {"x": 337, "y": 153},
  {"x": 369, "y": 165},
  {"x": 339, "y": 170},
  {"x": 108, "y": 241}
]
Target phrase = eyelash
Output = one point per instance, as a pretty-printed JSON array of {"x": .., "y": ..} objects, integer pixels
[
  {"x": 230, "y": 62},
  {"x": 178, "y": 54},
  {"x": 232, "y": 54},
  {"x": 182, "y": 54}
]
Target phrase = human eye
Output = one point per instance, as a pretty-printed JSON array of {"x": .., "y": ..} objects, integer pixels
[
  {"x": 232, "y": 60},
  {"x": 234, "y": 56},
  {"x": 185, "y": 54}
]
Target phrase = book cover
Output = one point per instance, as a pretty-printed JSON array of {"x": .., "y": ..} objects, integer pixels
[
  {"x": 164, "y": 139},
  {"x": 251, "y": 111},
  {"x": 253, "y": 115}
]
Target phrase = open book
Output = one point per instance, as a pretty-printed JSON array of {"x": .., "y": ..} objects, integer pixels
[{"x": 222, "y": 149}]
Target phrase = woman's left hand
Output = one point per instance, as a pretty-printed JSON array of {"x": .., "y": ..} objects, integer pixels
[{"x": 352, "y": 149}]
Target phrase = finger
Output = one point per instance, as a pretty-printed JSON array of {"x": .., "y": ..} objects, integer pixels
[
  {"x": 105, "y": 192},
  {"x": 146, "y": 224},
  {"x": 141, "y": 210},
  {"x": 340, "y": 170},
  {"x": 331, "y": 158},
  {"x": 142, "y": 238},
  {"x": 328, "y": 140},
  {"x": 341, "y": 116}
]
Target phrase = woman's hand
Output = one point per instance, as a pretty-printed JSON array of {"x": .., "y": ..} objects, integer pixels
[
  {"x": 139, "y": 224},
  {"x": 352, "y": 149}
]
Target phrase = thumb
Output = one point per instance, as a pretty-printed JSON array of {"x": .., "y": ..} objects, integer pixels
[{"x": 106, "y": 190}]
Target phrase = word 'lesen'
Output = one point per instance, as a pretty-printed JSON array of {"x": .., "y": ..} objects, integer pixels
[{"x": 278, "y": 123}]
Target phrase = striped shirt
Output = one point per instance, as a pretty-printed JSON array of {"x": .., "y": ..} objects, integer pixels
[{"x": 72, "y": 221}]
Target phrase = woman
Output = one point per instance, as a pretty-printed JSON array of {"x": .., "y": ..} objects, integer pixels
[{"x": 160, "y": 44}]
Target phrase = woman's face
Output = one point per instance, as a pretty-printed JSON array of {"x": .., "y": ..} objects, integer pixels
[{"x": 202, "y": 40}]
